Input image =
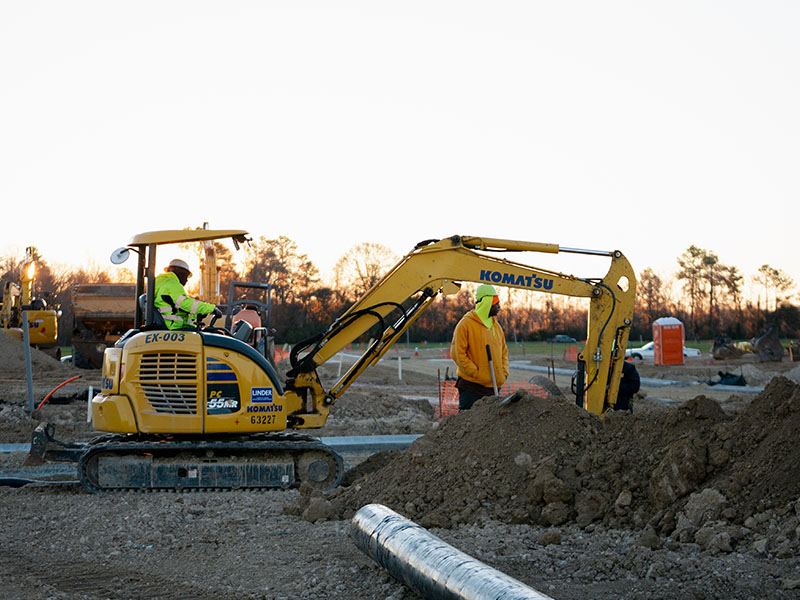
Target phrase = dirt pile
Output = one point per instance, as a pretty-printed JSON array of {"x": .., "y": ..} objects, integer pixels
[
  {"x": 12, "y": 359},
  {"x": 16, "y": 423},
  {"x": 761, "y": 450},
  {"x": 691, "y": 473}
]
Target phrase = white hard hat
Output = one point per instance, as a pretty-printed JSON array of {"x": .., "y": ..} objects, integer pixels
[{"x": 177, "y": 262}]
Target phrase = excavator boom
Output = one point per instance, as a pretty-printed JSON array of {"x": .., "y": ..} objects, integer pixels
[{"x": 437, "y": 267}]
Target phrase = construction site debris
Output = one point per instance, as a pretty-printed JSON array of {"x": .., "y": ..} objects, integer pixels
[{"x": 765, "y": 347}]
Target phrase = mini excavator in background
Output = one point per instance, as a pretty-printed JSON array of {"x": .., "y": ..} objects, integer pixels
[
  {"x": 18, "y": 300},
  {"x": 201, "y": 408}
]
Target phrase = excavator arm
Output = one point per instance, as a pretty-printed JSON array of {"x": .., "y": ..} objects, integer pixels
[{"x": 437, "y": 267}]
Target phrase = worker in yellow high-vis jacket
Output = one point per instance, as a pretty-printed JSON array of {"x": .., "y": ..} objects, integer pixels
[
  {"x": 178, "y": 309},
  {"x": 475, "y": 331}
]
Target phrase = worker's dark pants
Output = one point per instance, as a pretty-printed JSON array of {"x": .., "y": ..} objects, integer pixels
[
  {"x": 624, "y": 403},
  {"x": 467, "y": 399}
]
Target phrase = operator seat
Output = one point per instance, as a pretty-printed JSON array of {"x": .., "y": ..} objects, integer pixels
[
  {"x": 243, "y": 331},
  {"x": 244, "y": 323},
  {"x": 158, "y": 319}
]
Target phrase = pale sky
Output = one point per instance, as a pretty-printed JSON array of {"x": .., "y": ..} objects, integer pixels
[{"x": 639, "y": 126}]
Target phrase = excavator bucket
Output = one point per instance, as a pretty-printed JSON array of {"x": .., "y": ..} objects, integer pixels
[
  {"x": 45, "y": 447},
  {"x": 768, "y": 345}
]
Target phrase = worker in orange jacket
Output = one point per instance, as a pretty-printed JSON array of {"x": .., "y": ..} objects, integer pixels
[{"x": 475, "y": 331}]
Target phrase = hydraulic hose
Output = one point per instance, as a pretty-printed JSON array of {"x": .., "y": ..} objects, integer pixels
[
  {"x": 58, "y": 387},
  {"x": 336, "y": 327},
  {"x": 602, "y": 330}
]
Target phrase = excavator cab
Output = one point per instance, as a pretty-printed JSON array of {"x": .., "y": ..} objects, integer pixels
[{"x": 192, "y": 408}]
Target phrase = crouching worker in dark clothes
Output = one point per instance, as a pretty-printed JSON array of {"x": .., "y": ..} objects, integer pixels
[{"x": 628, "y": 386}]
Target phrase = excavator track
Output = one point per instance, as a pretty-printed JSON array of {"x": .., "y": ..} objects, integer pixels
[{"x": 263, "y": 461}]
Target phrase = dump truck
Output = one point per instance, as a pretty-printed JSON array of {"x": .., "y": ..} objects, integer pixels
[{"x": 101, "y": 313}]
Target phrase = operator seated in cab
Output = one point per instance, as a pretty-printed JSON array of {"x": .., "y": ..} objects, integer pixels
[{"x": 179, "y": 310}]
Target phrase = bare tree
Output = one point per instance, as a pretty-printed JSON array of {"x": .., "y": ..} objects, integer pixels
[
  {"x": 781, "y": 283},
  {"x": 650, "y": 295},
  {"x": 712, "y": 274},
  {"x": 732, "y": 287},
  {"x": 10, "y": 268},
  {"x": 774, "y": 279},
  {"x": 278, "y": 263},
  {"x": 363, "y": 266},
  {"x": 763, "y": 278},
  {"x": 691, "y": 264}
]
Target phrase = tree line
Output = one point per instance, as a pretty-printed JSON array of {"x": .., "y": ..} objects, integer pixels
[
  {"x": 710, "y": 301},
  {"x": 706, "y": 295}
]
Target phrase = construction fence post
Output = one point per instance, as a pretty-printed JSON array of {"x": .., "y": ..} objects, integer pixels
[{"x": 26, "y": 340}]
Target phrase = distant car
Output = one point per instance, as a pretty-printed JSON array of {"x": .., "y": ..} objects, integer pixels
[
  {"x": 563, "y": 339},
  {"x": 648, "y": 352}
]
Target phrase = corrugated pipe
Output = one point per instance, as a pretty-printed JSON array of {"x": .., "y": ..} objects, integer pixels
[{"x": 428, "y": 565}]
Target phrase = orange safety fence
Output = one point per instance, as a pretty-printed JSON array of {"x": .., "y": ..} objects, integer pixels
[
  {"x": 448, "y": 395},
  {"x": 281, "y": 354}
]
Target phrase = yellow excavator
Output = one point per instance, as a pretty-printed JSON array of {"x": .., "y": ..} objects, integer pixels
[
  {"x": 19, "y": 301},
  {"x": 202, "y": 409}
]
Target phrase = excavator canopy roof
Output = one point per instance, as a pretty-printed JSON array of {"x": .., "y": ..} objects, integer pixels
[{"x": 177, "y": 236}]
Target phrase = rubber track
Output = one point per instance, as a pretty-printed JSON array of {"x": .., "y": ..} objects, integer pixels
[{"x": 123, "y": 445}]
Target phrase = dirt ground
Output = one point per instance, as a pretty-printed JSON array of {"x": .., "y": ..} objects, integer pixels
[{"x": 695, "y": 495}]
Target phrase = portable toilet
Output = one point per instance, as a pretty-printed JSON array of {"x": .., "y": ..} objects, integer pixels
[{"x": 668, "y": 340}]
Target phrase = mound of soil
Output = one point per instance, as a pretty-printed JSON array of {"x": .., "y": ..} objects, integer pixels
[
  {"x": 545, "y": 461},
  {"x": 16, "y": 422},
  {"x": 12, "y": 359},
  {"x": 762, "y": 469}
]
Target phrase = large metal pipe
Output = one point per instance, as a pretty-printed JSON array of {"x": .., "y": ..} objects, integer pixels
[{"x": 428, "y": 565}]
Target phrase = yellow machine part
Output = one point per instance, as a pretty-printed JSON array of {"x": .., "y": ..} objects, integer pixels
[
  {"x": 173, "y": 382},
  {"x": 42, "y": 326}
]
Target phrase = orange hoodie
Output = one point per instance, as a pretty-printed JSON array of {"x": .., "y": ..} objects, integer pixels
[{"x": 469, "y": 350}]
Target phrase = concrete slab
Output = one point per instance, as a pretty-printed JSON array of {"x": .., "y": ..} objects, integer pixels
[{"x": 647, "y": 381}]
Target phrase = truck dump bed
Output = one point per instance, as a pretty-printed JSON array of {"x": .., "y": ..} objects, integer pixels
[{"x": 101, "y": 314}]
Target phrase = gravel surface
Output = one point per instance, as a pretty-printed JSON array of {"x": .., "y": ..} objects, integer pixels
[{"x": 694, "y": 496}]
